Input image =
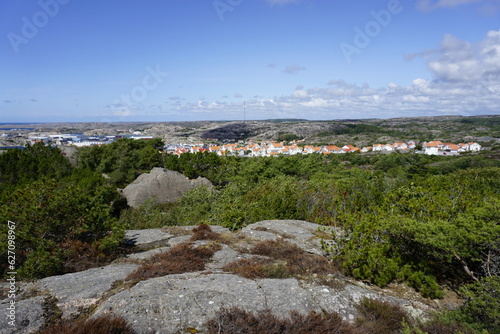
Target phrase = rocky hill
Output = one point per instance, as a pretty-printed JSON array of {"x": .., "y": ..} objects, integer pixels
[
  {"x": 356, "y": 132},
  {"x": 179, "y": 278}
]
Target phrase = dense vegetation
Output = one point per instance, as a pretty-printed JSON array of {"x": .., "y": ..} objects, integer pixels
[
  {"x": 429, "y": 221},
  {"x": 65, "y": 219}
]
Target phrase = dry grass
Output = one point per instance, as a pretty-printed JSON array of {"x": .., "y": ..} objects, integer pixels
[
  {"x": 235, "y": 320},
  {"x": 304, "y": 264},
  {"x": 107, "y": 324},
  {"x": 278, "y": 249},
  {"x": 252, "y": 268},
  {"x": 182, "y": 258},
  {"x": 284, "y": 260},
  {"x": 379, "y": 317},
  {"x": 204, "y": 232}
]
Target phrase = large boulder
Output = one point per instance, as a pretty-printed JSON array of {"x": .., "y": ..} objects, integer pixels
[{"x": 164, "y": 185}]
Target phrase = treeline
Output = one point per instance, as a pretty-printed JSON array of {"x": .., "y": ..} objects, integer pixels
[{"x": 429, "y": 221}]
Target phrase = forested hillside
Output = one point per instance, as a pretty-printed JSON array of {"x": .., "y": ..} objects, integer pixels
[{"x": 429, "y": 221}]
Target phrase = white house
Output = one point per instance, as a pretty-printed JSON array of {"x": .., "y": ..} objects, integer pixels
[
  {"x": 474, "y": 147},
  {"x": 431, "y": 148}
]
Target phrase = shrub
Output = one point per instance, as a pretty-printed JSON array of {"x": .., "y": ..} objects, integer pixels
[
  {"x": 182, "y": 258},
  {"x": 204, "y": 232},
  {"x": 107, "y": 324},
  {"x": 253, "y": 268},
  {"x": 278, "y": 249},
  {"x": 302, "y": 264},
  {"x": 148, "y": 215},
  {"x": 235, "y": 320},
  {"x": 481, "y": 310},
  {"x": 283, "y": 260},
  {"x": 438, "y": 327},
  {"x": 378, "y": 317},
  {"x": 49, "y": 214}
]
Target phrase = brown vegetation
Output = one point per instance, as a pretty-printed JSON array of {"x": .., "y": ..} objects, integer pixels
[
  {"x": 204, "y": 232},
  {"x": 182, "y": 258},
  {"x": 283, "y": 260},
  {"x": 235, "y": 320},
  {"x": 377, "y": 317},
  {"x": 278, "y": 249},
  {"x": 249, "y": 268},
  {"x": 107, "y": 324}
]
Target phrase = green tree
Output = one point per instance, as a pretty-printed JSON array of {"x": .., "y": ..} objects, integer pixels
[
  {"x": 123, "y": 159},
  {"x": 481, "y": 310},
  {"x": 21, "y": 166}
]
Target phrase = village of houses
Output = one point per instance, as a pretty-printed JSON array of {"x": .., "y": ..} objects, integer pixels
[{"x": 268, "y": 148}]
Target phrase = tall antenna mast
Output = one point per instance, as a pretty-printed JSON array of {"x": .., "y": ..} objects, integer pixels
[{"x": 244, "y": 111}]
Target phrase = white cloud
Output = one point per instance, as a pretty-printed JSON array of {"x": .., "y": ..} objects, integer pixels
[
  {"x": 461, "y": 61},
  {"x": 300, "y": 93},
  {"x": 316, "y": 102}
]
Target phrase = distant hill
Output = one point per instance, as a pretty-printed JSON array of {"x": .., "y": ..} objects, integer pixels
[{"x": 350, "y": 131}]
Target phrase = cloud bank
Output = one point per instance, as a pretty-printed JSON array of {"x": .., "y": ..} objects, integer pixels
[{"x": 465, "y": 81}]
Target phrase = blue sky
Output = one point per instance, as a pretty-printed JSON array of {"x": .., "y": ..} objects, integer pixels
[{"x": 181, "y": 60}]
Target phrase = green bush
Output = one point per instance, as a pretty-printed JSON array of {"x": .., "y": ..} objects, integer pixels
[
  {"x": 49, "y": 214},
  {"x": 148, "y": 215},
  {"x": 481, "y": 310}
]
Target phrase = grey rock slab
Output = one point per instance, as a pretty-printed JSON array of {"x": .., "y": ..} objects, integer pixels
[
  {"x": 147, "y": 254},
  {"x": 149, "y": 238},
  {"x": 341, "y": 301},
  {"x": 286, "y": 295},
  {"x": 302, "y": 233},
  {"x": 219, "y": 229},
  {"x": 223, "y": 257},
  {"x": 249, "y": 232},
  {"x": 80, "y": 290},
  {"x": 170, "y": 304},
  {"x": 29, "y": 316},
  {"x": 179, "y": 240}
]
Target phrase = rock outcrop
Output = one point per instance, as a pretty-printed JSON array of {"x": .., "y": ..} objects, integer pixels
[
  {"x": 164, "y": 185},
  {"x": 178, "y": 302}
]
